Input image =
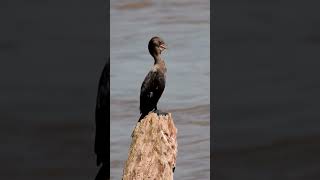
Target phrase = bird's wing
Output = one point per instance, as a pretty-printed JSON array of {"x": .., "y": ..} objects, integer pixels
[{"x": 151, "y": 90}]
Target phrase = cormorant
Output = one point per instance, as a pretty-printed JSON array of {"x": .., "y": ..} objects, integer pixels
[
  {"x": 154, "y": 83},
  {"x": 102, "y": 119}
]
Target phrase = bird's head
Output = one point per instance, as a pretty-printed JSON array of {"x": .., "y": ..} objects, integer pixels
[{"x": 156, "y": 46}]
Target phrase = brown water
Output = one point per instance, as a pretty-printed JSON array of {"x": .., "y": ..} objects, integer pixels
[{"x": 185, "y": 27}]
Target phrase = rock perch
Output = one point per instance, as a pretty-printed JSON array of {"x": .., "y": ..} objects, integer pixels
[{"x": 153, "y": 150}]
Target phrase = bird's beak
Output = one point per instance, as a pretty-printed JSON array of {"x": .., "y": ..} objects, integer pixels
[{"x": 163, "y": 47}]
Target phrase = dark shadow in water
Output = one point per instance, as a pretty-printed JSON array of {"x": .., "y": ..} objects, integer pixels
[{"x": 102, "y": 119}]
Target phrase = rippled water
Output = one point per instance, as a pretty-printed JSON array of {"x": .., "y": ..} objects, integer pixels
[{"x": 184, "y": 26}]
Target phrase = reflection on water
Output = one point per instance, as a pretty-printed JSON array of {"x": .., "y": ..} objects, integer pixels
[{"x": 133, "y": 23}]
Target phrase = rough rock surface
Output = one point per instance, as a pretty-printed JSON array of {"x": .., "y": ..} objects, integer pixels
[{"x": 153, "y": 150}]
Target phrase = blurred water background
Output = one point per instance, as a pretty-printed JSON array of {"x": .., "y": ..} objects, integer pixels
[
  {"x": 52, "y": 54},
  {"x": 185, "y": 26},
  {"x": 266, "y": 90}
]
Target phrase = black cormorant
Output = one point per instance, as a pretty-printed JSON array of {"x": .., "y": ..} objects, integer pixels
[{"x": 154, "y": 83}]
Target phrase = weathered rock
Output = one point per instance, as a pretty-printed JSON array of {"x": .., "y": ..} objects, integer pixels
[{"x": 153, "y": 150}]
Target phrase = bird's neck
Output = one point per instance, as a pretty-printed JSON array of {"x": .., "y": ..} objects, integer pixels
[
  {"x": 159, "y": 64},
  {"x": 158, "y": 59}
]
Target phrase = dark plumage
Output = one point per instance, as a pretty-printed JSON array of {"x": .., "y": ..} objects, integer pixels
[
  {"x": 102, "y": 119},
  {"x": 154, "y": 83}
]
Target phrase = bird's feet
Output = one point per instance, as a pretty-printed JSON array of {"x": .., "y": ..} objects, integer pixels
[{"x": 160, "y": 113}]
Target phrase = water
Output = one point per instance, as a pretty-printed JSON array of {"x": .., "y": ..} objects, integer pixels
[
  {"x": 50, "y": 67},
  {"x": 266, "y": 90},
  {"x": 187, "y": 91},
  {"x": 265, "y": 82}
]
